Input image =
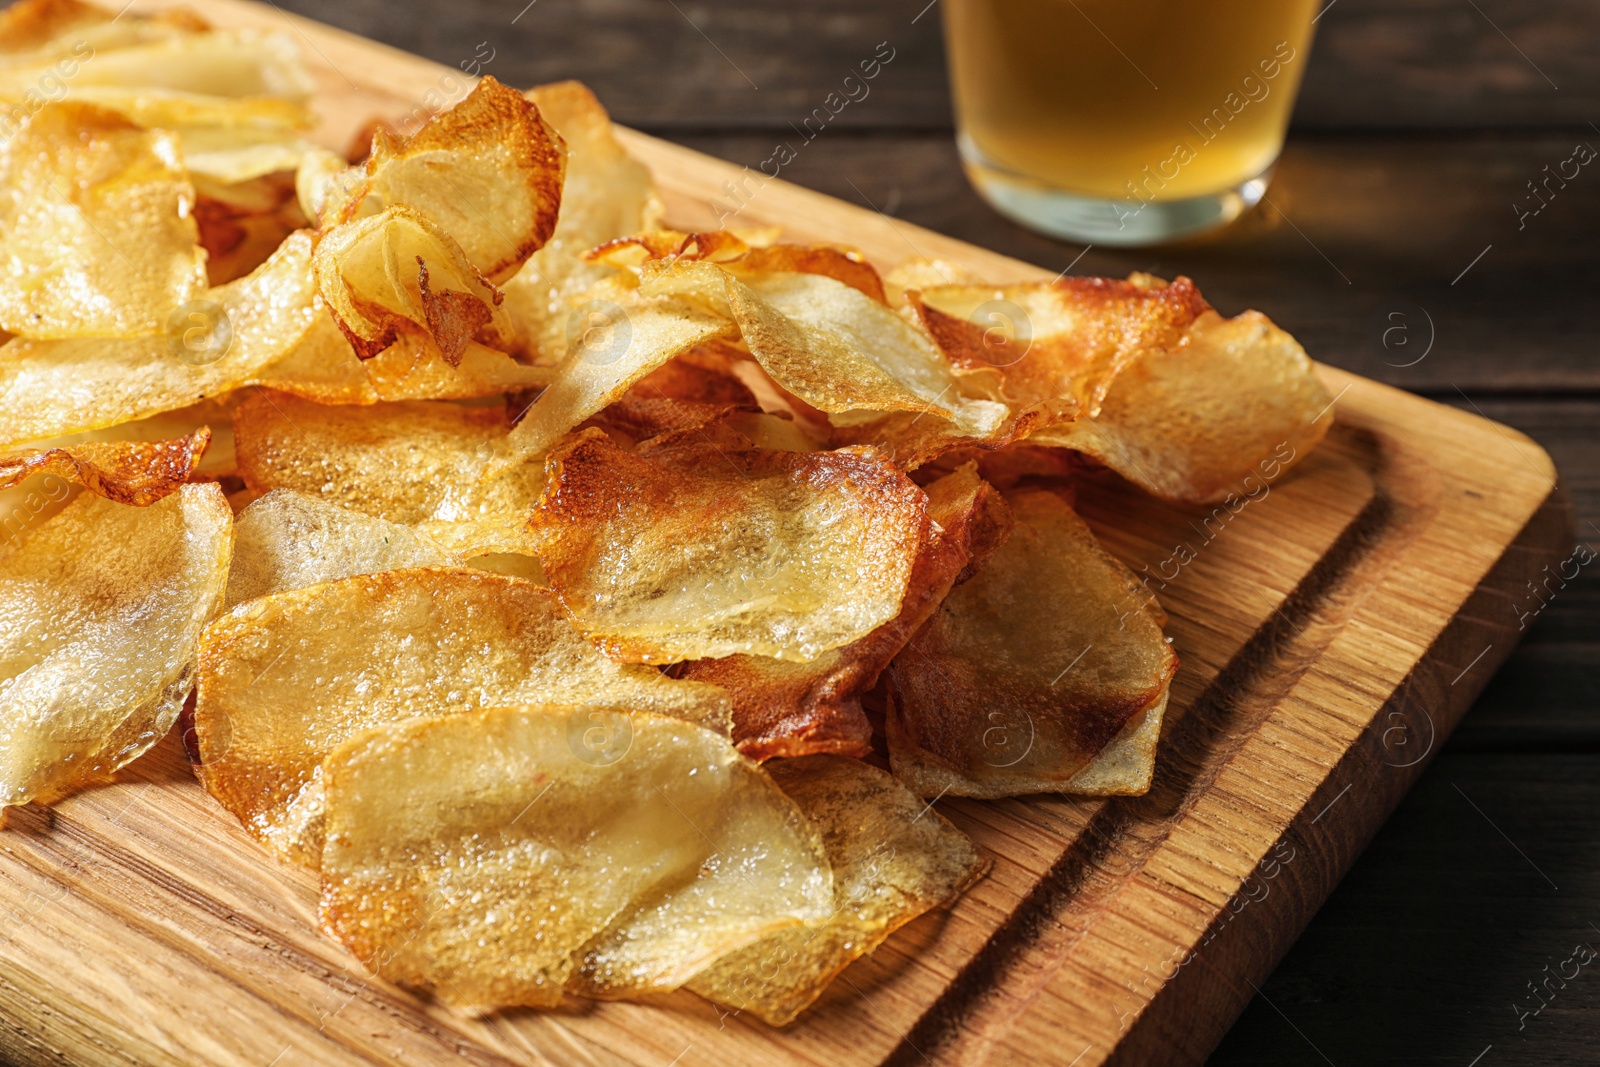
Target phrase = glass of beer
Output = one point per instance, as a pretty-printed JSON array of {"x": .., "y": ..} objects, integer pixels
[{"x": 1124, "y": 122}]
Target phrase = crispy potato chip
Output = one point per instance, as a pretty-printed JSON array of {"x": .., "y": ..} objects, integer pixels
[
  {"x": 128, "y": 472},
  {"x": 416, "y": 463},
  {"x": 621, "y": 341},
  {"x": 697, "y": 552},
  {"x": 741, "y": 257},
  {"x": 921, "y": 273},
  {"x": 234, "y": 154},
  {"x": 288, "y": 540},
  {"x": 607, "y": 193},
  {"x": 325, "y": 368},
  {"x": 52, "y": 388},
  {"x": 211, "y": 63},
  {"x": 476, "y": 855},
  {"x": 100, "y": 611},
  {"x": 398, "y": 271},
  {"x": 285, "y": 679},
  {"x": 791, "y": 709},
  {"x": 1031, "y": 669},
  {"x": 1058, "y": 345},
  {"x": 170, "y": 72},
  {"x": 831, "y": 345},
  {"x": 97, "y": 227},
  {"x": 893, "y": 858},
  {"x": 706, "y": 375},
  {"x": 488, "y": 172},
  {"x": 46, "y": 31},
  {"x": 765, "y": 874},
  {"x": 39, "y": 27},
  {"x": 736, "y": 429},
  {"x": 1197, "y": 422},
  {"x": 241, "y": 225}
]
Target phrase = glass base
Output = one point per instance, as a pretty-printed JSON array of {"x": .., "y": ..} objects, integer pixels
[{"x": 1117, "y": 222}]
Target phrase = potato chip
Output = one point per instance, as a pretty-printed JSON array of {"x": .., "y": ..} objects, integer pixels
[
  {"x": 731, "y": 251},
  {"x": 212, "y": 63},
  {"x": 834, "y": 347},
  {"x": 1057, "y": 346},
  {"x": 97, "y": 227},
  {"x": 919, "y": 273},
  {"x": 170, "y": 72},
  {"x": 234, "y": 154},
  {"x": 893, "y": 858},
  {"x": 40, "y": 27},
  {"x": 1031, "y": 669},
  {"x": 696, "y": 552},
  {"x": 1196, "y": 423},
  {"x": 623, "y": 338},
  {"x": 607, "y": 193},
  {"x": 476, "y": 855},
  {"x": 59, "y": 33},
  {"x": 416, "y": 463},
  {"x": 488, "y": 172},
  {"x": 325, "y": 368},
  {"x": 52, "y": 388},
  {"x": 128, "y": 472},
  {"x": 288, "y": 540},
  {"x": 242, "y": 224},
  {"x": 100, "y": 611},
  {"x": 791, "y": 709},
  {"x": 765, "y": 874},
  {"x": 398, "y": 271},
  {"x": 285, "y": 679}
]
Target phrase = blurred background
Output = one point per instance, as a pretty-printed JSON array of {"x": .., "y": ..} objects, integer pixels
[{"x": 1414, "y": 234}]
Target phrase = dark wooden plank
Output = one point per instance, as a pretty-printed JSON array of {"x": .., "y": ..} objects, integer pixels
[
  {"x": 697, "y": 64},
  {"x": 1486, "y": 874},
  {"x": 1356, "y": 252},
  {"x": 1545, "y": 698}
]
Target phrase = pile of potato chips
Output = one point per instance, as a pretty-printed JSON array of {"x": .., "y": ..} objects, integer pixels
[{"x": 530, "y": 570}]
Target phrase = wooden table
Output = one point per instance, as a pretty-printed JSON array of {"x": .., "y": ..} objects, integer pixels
[{"x": 1390, "y": 246}]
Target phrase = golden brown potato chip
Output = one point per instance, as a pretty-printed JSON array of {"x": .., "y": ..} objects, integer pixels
[
  {"x": 130, "y": 472},
  {"x": 696, "y": 552},
  {"x": 741, "y": 257},
  {"x": 1238, "y": 400},
  {"x": 893, "y": 858},
  {"x": 623, "y": 338},
  {"x": 1057, "y": 345},
  {"x": 1031, "y": 669},
  {"x": 325, "y": 368},
  {"x": 607, "y": 193},
  {"x": 245, "y": 224},
  {"x": 97, "y": 229},
  {"x": 39, "y": 27},
  {"x": 791, "y": 709},
  {"x": 100, "y": 611},
  {"x": 231, "y": 155},
  {"x": 398, "y": 271},
  {"x": 477, "y": 855},
  {"x": 418, "y": 463},
  {"x": 488, "y": 172},
  {"x": 703, "y": 375},
  {"x": 285, "y": 679},
  {"x": 289, "y": 540},
  {"x": 834, "y": 347},
  {"x": 169, "y": 71},
  {"x": 52, "y": 388}
]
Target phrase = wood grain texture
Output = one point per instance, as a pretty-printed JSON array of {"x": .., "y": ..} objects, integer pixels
[
  {"x": 145, "y": 928},
  {"x": 745, "y": 64}
]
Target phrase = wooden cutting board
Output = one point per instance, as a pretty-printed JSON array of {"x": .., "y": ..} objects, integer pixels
[{"x": 1332, "y": 633}]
